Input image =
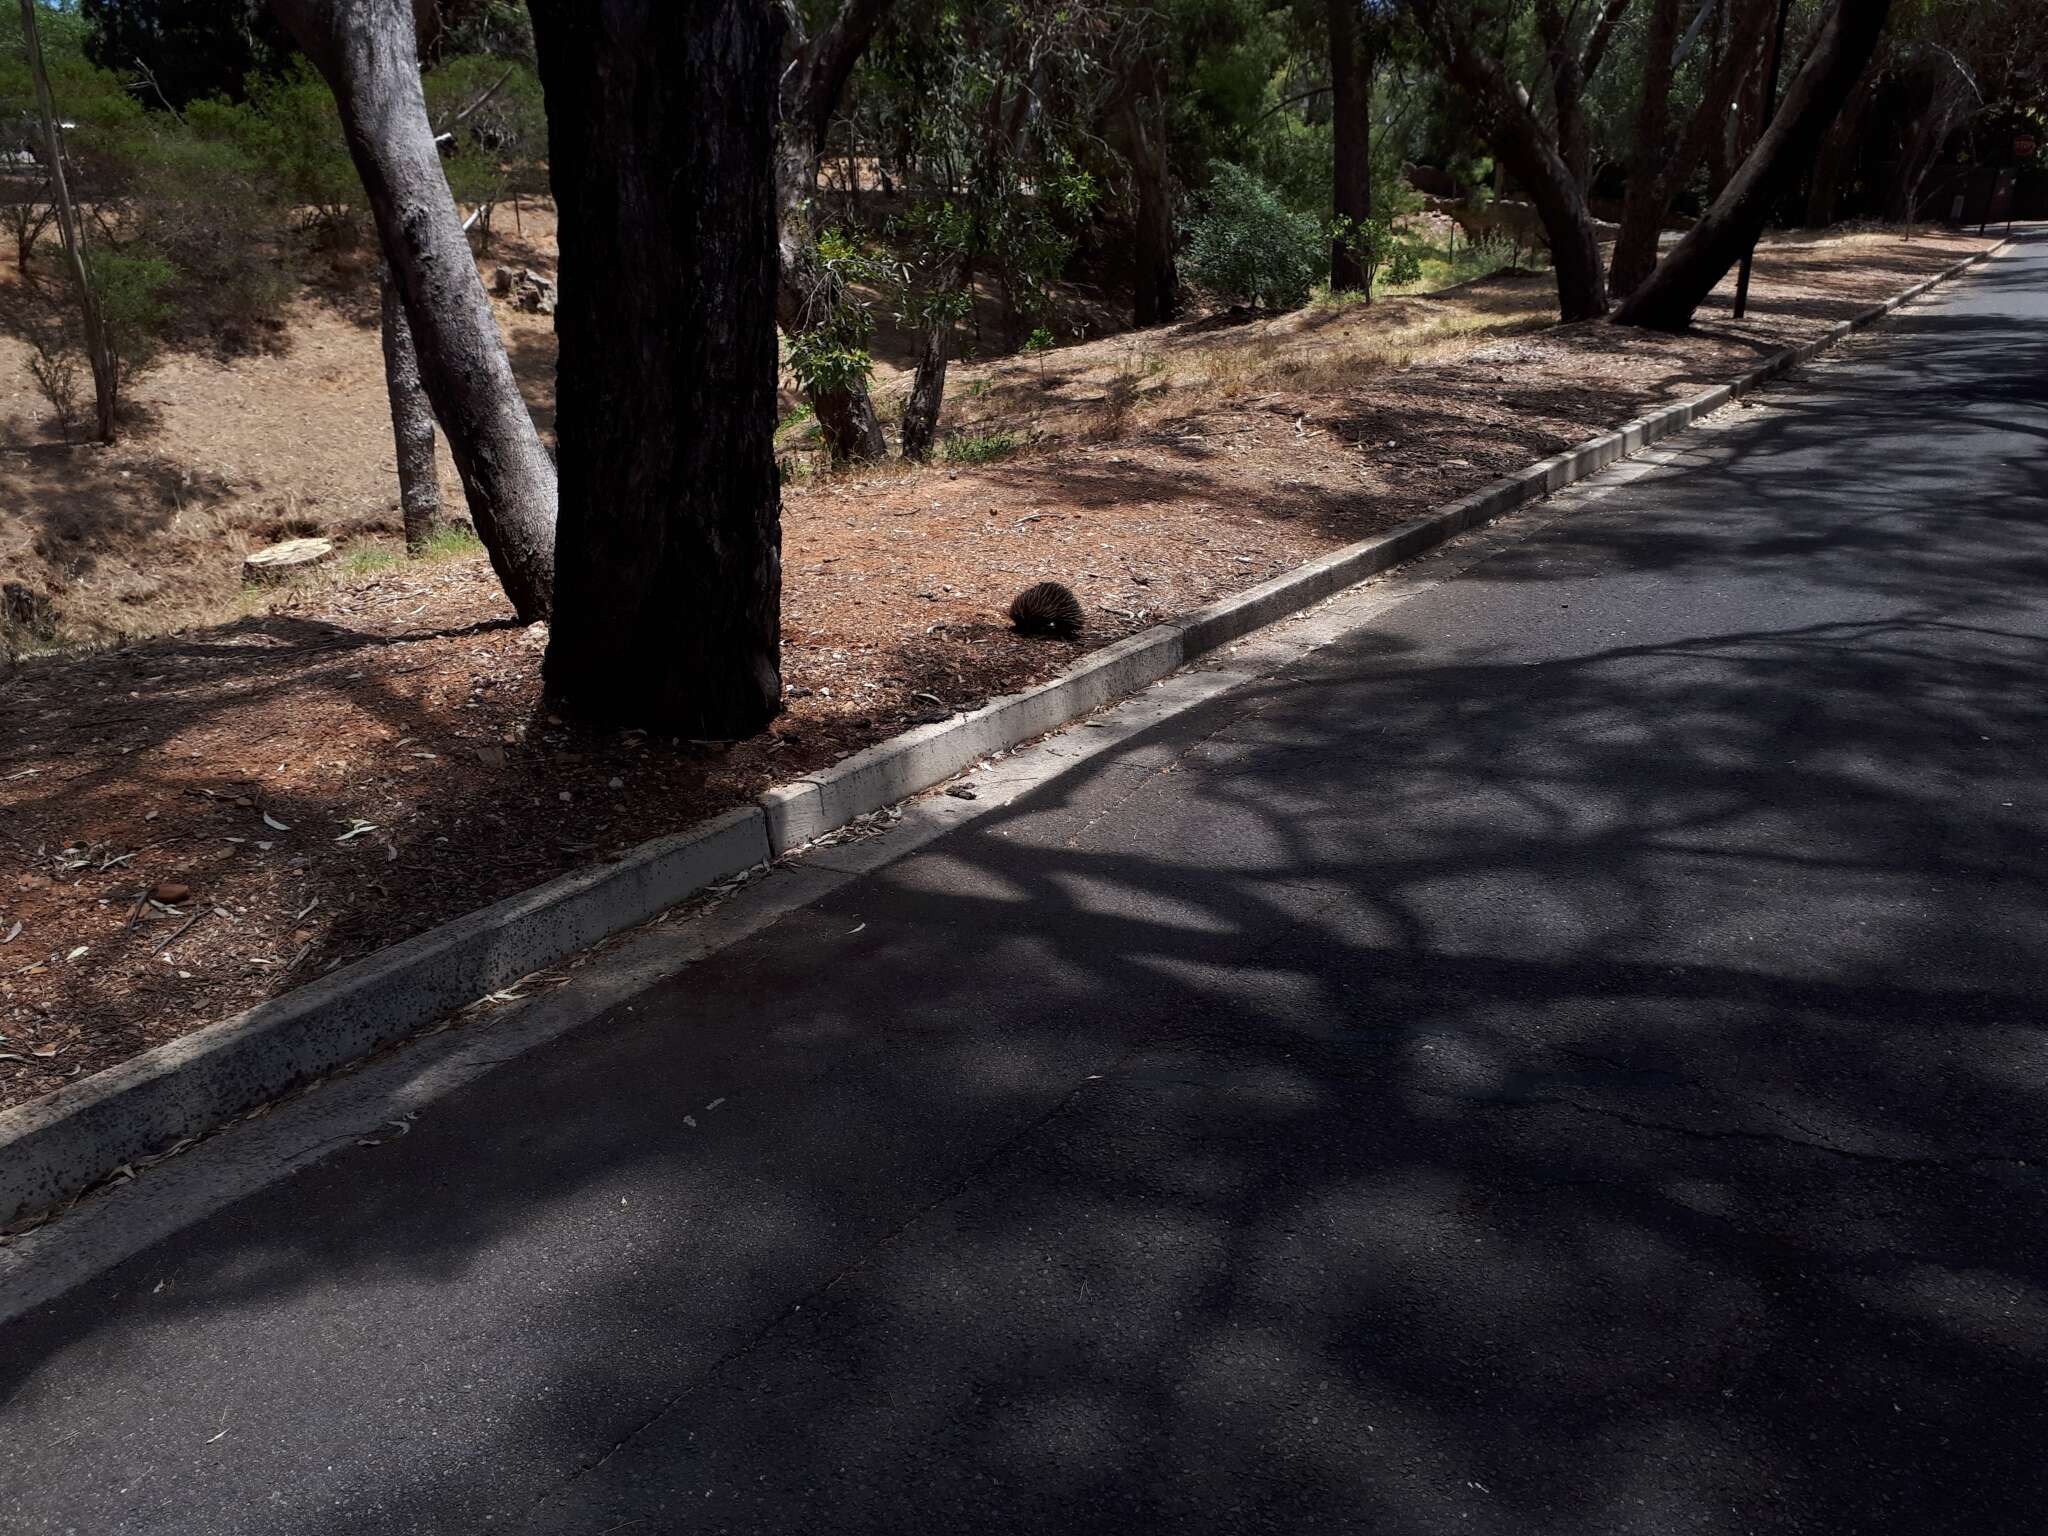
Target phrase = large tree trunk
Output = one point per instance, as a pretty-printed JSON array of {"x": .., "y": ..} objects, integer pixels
[
  {"x": 1848, "y": 37},
  {"x": 1156, "y": 279},
  {"x": 661, "y": 135},
  {"x": 1648, "y": 195},
  {"x": 366, "y": 51},
  {"x": 99, "y": 351},
  {"x": 1527, "y": 151},
  {"x": 1644, "y": 209},
  {"x": 1351, "y": 135},
  {"x": 412, "y": 421}
]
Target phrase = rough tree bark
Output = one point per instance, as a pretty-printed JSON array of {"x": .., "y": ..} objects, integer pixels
[
  {"x": 412, "y": 421},
  {"x": 1667, "y": 299},
  {"x": 1156, "y": 279},
  {"x": 809, "y": 294},
  {"x": 1645, "y": 200},
  {"x": 928, "y": 384},
  {"x": 1528, "y": 152},
  {"x": 106, "y": 371},
  {"x": 1351, "y": 71},
  {"x": 1654, "y": 180},
  {"x": 366, "y": 51},
  {"x": 661, "y": 139}
]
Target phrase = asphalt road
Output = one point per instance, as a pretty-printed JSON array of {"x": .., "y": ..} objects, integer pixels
[{"x": 1567, "y": 1058}]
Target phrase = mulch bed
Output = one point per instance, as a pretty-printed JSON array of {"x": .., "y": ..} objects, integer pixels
[{"x": 191, "y": 824}]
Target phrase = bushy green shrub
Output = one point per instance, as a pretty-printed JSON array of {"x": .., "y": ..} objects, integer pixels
[
  {"x": 1247, "y": 244},
  {"x": 132, "y": 283},
  {"x": 293, "y": 130},
  {"x": 1404, "y": 265}
]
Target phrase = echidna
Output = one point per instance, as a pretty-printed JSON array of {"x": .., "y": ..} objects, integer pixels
[{"x": 1047, "y": 609}]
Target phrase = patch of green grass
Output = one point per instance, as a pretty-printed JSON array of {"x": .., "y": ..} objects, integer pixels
[
  {"x": 370, "y": 560},
  {"x": 981, "y": 447},
  {"x": 452, "y": 541}
]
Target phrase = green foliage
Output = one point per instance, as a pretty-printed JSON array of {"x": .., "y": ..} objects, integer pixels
[
  {"x": 1040, "y": 340},
  {"x": 498, "y": 119},
  {"x": 448, "y": 541},
  {"x": 499, "y": 28},
  {"x": 293, "y": 131},
  {"x": 981, "y": 447},
  {"x": 825, "y": 364},
  {"x": 831, "y": 354},
  {"x": 184, "y": 50},
  {"x": 1371, "y": 241},
  {"x": 1247, "y": 244},
  {"x": 132, "y": 283},
  {"x": 1403, "y": 268}
]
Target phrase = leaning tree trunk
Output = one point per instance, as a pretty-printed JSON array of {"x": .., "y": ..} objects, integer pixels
[
  {"x": 1525, "y": 150},
  {"x": 1351, "y": 136},
  {"x": 661, "y": 139},
  {"x": 412, "y": 422},
  {"x": 1848, "y": 37},
  {"x": 366, "y": 51}
]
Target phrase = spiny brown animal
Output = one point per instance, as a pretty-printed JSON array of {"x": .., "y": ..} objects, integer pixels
[{"x": 1047, "y": 609}]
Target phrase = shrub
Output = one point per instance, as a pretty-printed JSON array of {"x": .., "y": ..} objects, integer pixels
[
  {"x": 293, "y": 131},
  {"x": 1247, "y": 244},
  {"x": 981, "y": 447},
  {"x": 131, "y": 283},
  {"x": 1403, "y": 266},
  {"x": 55, "y": 370}
]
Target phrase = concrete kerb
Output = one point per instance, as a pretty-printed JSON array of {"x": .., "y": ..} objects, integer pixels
[
  {"x": 70, "y": 1140},
  {"x": 57, "y": 1145}
]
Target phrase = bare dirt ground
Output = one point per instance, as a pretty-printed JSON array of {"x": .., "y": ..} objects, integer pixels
[{"x": 190, "y": 824}]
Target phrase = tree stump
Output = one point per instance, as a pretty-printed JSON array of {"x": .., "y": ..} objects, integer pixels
[{"x": 280, "y": 562}]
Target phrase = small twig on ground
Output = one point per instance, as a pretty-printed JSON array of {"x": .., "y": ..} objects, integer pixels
[{"x": 167, "y": 943}]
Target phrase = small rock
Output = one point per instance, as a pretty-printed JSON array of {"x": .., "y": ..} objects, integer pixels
[
  {"x": 962, "y": 791},
  {"x": 615, "y": 783},
  {"x": 170, "y": 892},
  {"x": 491, "y": 757}
]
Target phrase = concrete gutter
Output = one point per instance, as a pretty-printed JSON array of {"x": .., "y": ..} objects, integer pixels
[{"x": 59, "y": 1145}]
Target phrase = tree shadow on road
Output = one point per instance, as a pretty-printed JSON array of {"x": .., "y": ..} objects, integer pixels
[{"x": 1452, "y": 1084}]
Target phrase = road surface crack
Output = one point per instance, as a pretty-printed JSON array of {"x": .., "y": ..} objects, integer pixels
[{"x": 1774, "y": 1138}]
